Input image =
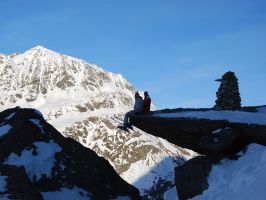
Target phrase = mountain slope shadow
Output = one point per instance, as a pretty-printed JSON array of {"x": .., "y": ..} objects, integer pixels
[
  {"x": 157, "y": 188},
  {"x": 37, "y": 161}
]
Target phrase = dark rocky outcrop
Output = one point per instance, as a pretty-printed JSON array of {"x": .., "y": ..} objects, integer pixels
[
  {"x": 74, "y": 165},
  {"x": 198, "y": 135},
  {"x": 191, "y": 178}
]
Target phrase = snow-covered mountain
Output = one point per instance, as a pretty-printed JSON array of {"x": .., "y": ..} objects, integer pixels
[{"x": 80, "y": 100}]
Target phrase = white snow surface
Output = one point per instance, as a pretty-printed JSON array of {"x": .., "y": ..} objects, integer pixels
[
  {"x": 5, "y": 129},
  {"x": 170, "y": 194},
  {"x": 242, "y": 179},
  {"x": 37, "y": 165},
  {"x": 142, "y": 173},
  {"x": 232, "y": 116},
  {"x": 65, "y": 194},
  {"x": 3, "y": 183}
]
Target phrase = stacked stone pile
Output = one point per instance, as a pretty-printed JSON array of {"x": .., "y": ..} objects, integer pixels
[{"x": 228, "y": 96}]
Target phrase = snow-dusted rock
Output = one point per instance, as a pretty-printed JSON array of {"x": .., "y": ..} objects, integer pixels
[{"x": 37, "y": 162}]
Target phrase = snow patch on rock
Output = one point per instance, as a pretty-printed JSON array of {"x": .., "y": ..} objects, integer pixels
[
  {"x": 5, "y": 129},
  {"x": 3, "y": 183},
  {"x": 36, "y": 165},
  {"x": 66, "y": 193},
  {"x": 10, "y": 116}
]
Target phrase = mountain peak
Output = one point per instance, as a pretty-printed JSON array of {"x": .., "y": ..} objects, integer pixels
[
  {"x": 39, "y": 71},
  {"x": 39, "y": 47}
]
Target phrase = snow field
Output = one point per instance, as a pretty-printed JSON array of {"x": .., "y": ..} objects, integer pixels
[
  {"x": 242, "y": 179},
  {"x": 65, "y": 193},
  {"x": 170, "y": 194}
]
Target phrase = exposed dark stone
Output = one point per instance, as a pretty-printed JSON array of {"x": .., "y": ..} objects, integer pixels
[
  {"x": 18, "y": 184},
  {"x": 197, "y": 134},
  {"x": 191, "y": 178},
  {"x": 75, "y": 165}
]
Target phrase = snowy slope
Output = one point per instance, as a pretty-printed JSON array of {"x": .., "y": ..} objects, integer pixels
[
  {"x": 80, "y": 100},
  {"x": 171, "y": 194},
  {"x": 243, "y": 179}
]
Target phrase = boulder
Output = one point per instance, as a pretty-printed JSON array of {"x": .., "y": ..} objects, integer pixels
[{"x": 191, "y": 178}]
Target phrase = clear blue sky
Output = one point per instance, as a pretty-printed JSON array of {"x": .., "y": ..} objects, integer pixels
[{"x": 172, "y": 48}]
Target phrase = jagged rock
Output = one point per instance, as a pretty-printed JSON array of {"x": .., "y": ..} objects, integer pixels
[{"x": 28, "y": 144}]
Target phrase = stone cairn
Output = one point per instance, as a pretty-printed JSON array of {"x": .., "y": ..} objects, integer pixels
[{"x": 228, "y": 96}]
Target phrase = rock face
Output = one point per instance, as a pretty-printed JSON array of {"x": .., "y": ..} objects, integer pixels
[
  {"x": 36, "y": 161},
  {"x": 81, "y": 100},
  {"x": 214, "y": 139},
  {"x": 192, "y": 177},
  {"x": 228, "y": 96},
  {"x": 197, "y": 134}
]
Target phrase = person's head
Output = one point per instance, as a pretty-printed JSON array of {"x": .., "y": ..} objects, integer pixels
[
  {"x": 136, "y": 94},
  {"x": 146, "y": 93}
]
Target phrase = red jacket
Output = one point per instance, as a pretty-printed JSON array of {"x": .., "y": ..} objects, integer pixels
[{"x": 147, "y": 104}]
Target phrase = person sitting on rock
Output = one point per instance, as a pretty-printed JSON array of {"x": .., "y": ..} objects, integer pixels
[
  {"x": 138, "y": 107},
  {"x": 147, "y": 102}
]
